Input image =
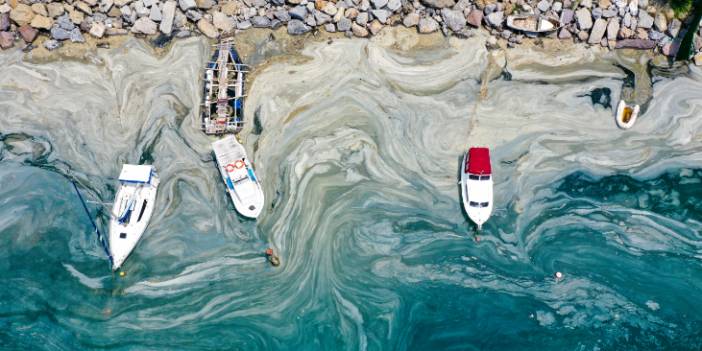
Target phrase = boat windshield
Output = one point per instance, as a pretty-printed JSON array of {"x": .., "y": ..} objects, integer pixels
[
  {"x": 484, "y": 204},
  {"x": 485, "y": 177},
  {"x": 473, "y": 177},
  {"x": 473, "y": 204}
]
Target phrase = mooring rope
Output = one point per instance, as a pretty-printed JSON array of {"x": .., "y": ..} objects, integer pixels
[{"x": 101, "y": 238}]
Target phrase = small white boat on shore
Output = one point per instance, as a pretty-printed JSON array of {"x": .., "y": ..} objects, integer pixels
[
  {"x": 238, "y": 175},
  {"x": 223, "y": 96},
  {"x": 134, "y": 204},
  {"x": 476, "y": 185},
  {"x": 626, "y": 115},
  {"x": 532, "y": 23}
]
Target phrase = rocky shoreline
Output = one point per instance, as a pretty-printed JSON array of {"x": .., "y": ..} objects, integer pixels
[{"x": 608, "y": 23}]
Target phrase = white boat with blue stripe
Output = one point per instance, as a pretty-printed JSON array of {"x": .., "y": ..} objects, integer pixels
[
  {"x": 238, "y": 175},
  {"x": 132, "y": 210}
]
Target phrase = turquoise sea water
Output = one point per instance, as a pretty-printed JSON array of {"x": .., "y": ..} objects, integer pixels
[{"x": 358, "y": 148}]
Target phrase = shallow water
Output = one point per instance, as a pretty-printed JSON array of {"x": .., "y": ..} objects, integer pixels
[{"x": 359, "y": 150}]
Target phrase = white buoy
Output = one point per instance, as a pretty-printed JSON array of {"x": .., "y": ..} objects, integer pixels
[{"x": 558, "y": 276}]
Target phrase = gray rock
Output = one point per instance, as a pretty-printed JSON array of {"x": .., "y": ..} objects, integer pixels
[
  {"x": 344, "y": 25},
  {"x": 106, "y": 5},
  {"x": 597, "y": 12},
  {"x": 141, "y": 10},
  {"x": 282, "y": 15},
  {"x": 321, "y": 18},
  {"x": 557, "y": 6},
  {"x": 495, "y": 19},
  {"x": 310, "y": 21},
  {"x": 193, "y": 15},
  {"x": 428, "y": 25},
  {"x": 453, "y": 19},
  {"x": 52, "y": 44},
  {"x": 297, "y": 27},
  {"x": 674, "y": 27},
  {"x": 155, "y": 14},
  {"x": 612, "y": 29},
  {"x": 59, "y": 33},
  {"x": 381, "y": 15},
  {"x": 584, "y": 19},
  {"x": 490, "y": 8},
  {"x": 609, "y": 13},
  {"x": 126, "y": 13},
  {"x": 144, "y": 26},
  {"x": 7, "y": 40},
  {"x": 244, "y": 25},
  {"x": 379, "y": 4},
  {"x": 439, "y": 4},
  {"x": 186, "y": 5},
  {"x": 411, "y": 20},
  {"x": 543, "y": 5},
  {"x": 583, "y": 35},
  {"x": 147, "y": 3},
  {"x": 77, "y": 36},
  {"x": 645, "y": 20},
  {"x": 64, "y": 22},
  {"x": 564, "y": 33},
  {"x": 362, "y": 18},
  {"x": 330, "y": 27},
  {"x": 586, "y": 3},
  {"x": 359, "y": 31},
  {"x": 167, "y": 14},
  {"x": 183, "y": 34},
  {"x": 298, "y": 12},
  {"x": 655, "y": 35},
  {"x": 260, "y": 22},
  {"x": 598, "y": 31},
  {"x": 643, "y": 4},
  {"x": 626, "y": 21},
  {"x": 506, "y": 34},
  {"x": 394, "y": 5},
  {"x": 566, "y": 17},
  {"x": 4, "y": 21}
]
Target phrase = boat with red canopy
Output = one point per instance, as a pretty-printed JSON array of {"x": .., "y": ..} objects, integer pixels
[{"x": 476, "y": 185}]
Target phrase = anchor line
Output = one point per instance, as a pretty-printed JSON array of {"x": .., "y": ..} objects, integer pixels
[{"x": 101, "y": 238}]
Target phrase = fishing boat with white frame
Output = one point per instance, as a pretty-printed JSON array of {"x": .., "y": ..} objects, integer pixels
[{"x": 223, "y": 97}]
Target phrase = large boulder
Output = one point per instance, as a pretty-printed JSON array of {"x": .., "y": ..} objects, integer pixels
[
  {"x": 22, "y": 14},
  {"x": 297, "y": 27},
  {"x": 27, "y": 33},
  {"x": 453, "y": 19},
  {"x": 439, "y": 4},
  {"x": 7, "y": 40},
  {"x": 144, "y": 25},
  {"x": 636, "y": 44},
  {"x": 584, "y": 19},
  {"x": 207, "y": 28},
  {"x": 495, "y": 18},
  {"x": 167, "y": 14},
  {"x": 645, "y": 20},
  {"x": 598, "y": 31},
  {"x": 41, "y": 22},
  {"x": 475, "y": 18},
  {"x": 223, "y": 22},
  {"x": 428, "y": 25}
]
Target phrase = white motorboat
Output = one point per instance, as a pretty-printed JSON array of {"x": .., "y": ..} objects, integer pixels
[
  {"x": 476, "y": 185},
  {"x": 132, "y": 210},
  {"x": 626, "y": 115},
  {"x": 238, "y": 175}
]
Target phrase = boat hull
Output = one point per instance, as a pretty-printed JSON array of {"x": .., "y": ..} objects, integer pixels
[
  {"x": 477, "y": 195},
  {"x": 239, "y": 177},
  {"x": 125, "y": 234},
  {"x": 621, "y": 118}
]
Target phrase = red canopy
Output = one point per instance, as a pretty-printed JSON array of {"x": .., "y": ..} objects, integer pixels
[{"x": 478, "y": 161}]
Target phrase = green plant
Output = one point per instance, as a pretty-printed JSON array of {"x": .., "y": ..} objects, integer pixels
[{"x": 681, "y": 7}]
